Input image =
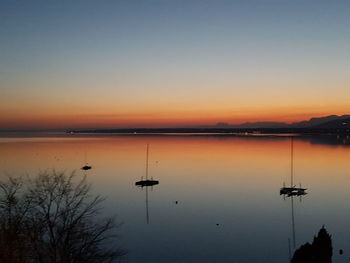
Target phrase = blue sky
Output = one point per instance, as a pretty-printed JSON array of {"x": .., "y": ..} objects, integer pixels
[{"x": 136, "y": 57}]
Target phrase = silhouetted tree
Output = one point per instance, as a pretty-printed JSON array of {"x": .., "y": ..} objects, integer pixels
[
  {"x": 14, "y": 207},
  {"x": 322, "y": 244},
  {"x": 320, "y": 251},
  {"x": 53, "y": 219}
]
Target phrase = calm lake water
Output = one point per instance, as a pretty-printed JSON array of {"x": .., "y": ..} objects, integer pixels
[{"x": 229, "y": 208}]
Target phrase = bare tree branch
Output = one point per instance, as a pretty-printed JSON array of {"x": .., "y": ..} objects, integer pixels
[{"x": 53, "y": 219}]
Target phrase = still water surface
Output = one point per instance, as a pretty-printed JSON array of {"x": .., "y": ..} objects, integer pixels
[{"x": 229, "y": 208}]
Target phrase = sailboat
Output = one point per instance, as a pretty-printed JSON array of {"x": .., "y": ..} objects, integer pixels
[
  {"x": 147, "y": 182},
  {"x": 292, "y": 190},
  {"x": 86, "y": 166}
]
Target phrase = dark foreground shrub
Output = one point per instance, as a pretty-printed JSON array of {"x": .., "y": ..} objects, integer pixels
[{"x": 53, "y": 218}]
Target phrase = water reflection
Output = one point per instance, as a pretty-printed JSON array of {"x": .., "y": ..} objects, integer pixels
[
  {"x": 147, "y": 205},
  {"x": 228, "y": 180},
  {"x": 293, "y": 229},
  {"x": 334, "y": 140}
]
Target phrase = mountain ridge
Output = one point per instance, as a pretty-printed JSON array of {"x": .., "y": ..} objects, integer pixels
[{"x": 314, "y": 122}]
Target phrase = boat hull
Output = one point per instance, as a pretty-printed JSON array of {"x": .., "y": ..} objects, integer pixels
[{"x": 143, "y": 183}]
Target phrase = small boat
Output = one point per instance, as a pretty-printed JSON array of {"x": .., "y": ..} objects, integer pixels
[
  {"x": 286, "y": 190},
  {"x": 147, "y": 182},
  {"x": 86, "y": 167},
  {"x": 292, "y": 191}
]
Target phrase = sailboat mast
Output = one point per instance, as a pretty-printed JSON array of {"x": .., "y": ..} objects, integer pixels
[
  {"x": 291, "y": 162},
  {"x": 147, "y": 161}
]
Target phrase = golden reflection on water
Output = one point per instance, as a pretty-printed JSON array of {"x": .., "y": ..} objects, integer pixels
[{"x": 201, "y": 159}]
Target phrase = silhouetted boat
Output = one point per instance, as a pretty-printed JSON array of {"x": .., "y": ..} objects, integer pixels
[
  {"x": 292, "y": 190},
  {"x": 147, "y": 182},
  {"x": 86, "y": 167}
]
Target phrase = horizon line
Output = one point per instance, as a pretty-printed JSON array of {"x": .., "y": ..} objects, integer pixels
[{"x": 220, "y": 125}]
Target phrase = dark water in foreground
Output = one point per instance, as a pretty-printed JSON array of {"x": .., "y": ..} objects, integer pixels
[{"x": 229, "y": 208}]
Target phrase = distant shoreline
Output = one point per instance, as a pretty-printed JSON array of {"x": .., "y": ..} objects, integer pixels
[
  {"x": 256, "y": 132},
  {"x": 218, "y": 131}
]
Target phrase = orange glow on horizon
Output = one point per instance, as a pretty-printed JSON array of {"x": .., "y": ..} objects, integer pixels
[{"x": 152, "y": 119}]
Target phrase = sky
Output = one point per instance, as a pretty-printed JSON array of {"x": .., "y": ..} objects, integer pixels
[{"x": 161, "y": 63}]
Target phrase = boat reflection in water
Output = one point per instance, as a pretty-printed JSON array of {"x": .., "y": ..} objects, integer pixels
[
  {"x": 147, "y": 205},
  {"x": 291, "y": 194},
  {"x": 147, "y": 183}
]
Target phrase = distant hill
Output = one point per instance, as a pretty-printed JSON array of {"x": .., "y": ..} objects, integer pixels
[
  {"x": 315, "y": 122},
  {"x": 334, "y": 124},
  {"x": 331, "y": 120},
  {"x": 262, "y": 124}
]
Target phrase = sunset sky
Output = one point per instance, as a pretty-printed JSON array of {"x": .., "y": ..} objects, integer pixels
[{"x": 161, "y": 63}]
